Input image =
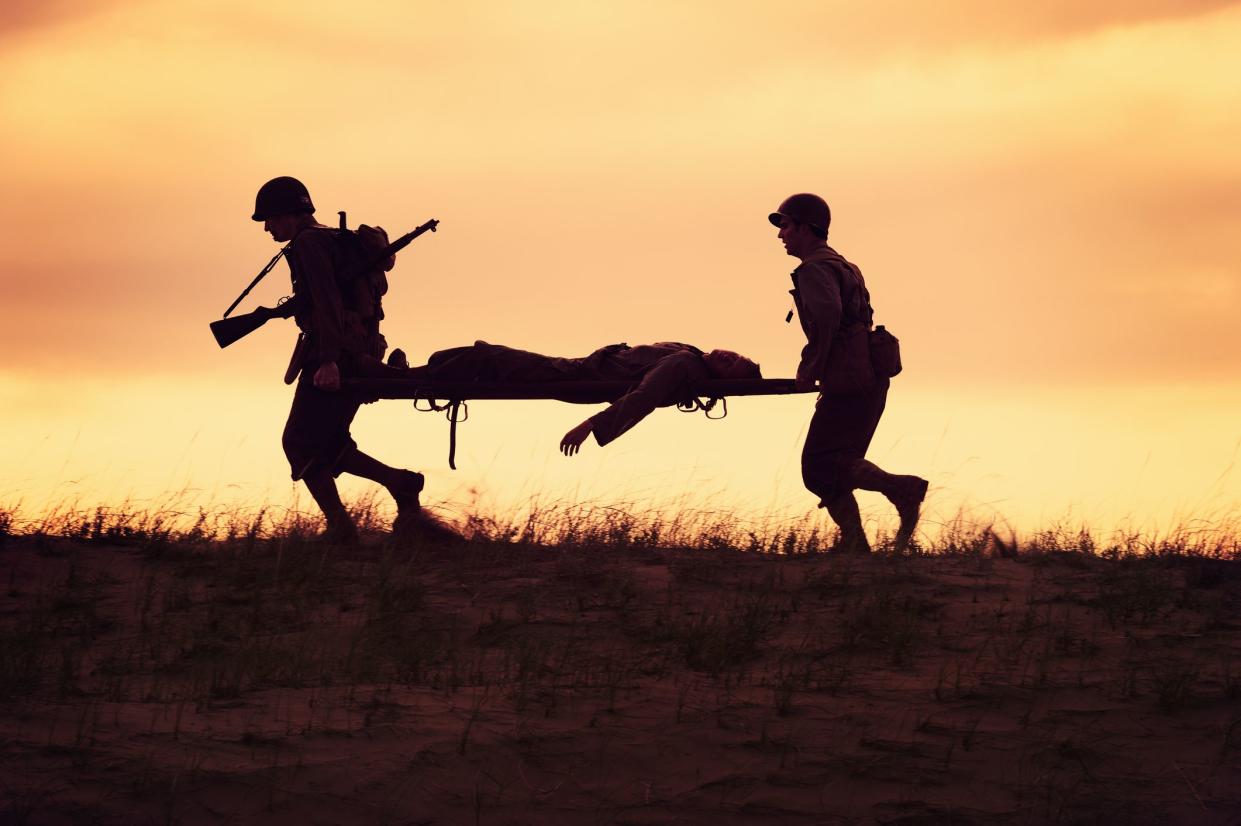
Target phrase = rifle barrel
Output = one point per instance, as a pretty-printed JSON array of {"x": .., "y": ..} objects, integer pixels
[{"x": 401, "y": 243}]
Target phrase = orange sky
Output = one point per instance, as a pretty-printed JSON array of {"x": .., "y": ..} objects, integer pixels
[{"x": 1044, "y": 201}]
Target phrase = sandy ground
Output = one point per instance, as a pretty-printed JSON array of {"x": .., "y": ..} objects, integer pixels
[{"x": 292, "y": 684}]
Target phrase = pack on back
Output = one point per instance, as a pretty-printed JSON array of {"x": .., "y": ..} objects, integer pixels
[
  {"x": 364, "y": 292},
  {"x": 362, "y": 288}
]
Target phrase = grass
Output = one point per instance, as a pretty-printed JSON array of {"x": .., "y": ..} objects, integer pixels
[{"x": 589, "y": 664}]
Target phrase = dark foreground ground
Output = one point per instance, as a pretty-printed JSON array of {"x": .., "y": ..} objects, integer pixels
[{"x": 279, "y": 682}]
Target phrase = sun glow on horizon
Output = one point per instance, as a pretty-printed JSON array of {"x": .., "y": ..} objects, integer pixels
[{"x": 1043, "y": 200}]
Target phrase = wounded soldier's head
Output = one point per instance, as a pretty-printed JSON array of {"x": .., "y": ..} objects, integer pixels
[{"x": 725, "y": 364}]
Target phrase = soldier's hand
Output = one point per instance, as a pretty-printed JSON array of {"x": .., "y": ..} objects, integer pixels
[
  {"x": 803, "y": 383},
  {"x": 327, "y": 377},
  {"x": 572, "y": 441}
]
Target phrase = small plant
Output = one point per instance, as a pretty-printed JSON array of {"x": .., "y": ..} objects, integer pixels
[
  {"x": 1230, "y": 738},
  {"x": 888, "y": 621},
  {"x": 1138, "y": 592},
  {"x": 720, "y": 640},
  {"x": 23, "y": 652},
  {"x": 1230, "y": 681},
  {"x": 572, "y": 630},
  {"x": 1173, "y": 682},
  {"x": 788, "y": 680}
]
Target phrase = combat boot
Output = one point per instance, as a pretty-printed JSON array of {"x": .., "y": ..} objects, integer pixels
[
  {"x": 850, "y": 544},
  {"x": 907, "y": 495},
  {"x": 408, "y": 505},
  {"x": 423, "y": 530},
  {"x": 339, "y": 531}
]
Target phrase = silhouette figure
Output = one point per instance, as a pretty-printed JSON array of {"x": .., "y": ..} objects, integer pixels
[
  {"x": 664, "y": 372},
  {"x": 832, "y": 302},
  {"x": 338, "y": 313}
]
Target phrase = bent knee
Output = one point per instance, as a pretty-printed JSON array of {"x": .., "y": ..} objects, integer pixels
[{"x": 825, "y": 476}]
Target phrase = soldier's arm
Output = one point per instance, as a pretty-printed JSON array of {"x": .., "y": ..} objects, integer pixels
[
  {"x": 316, "y": 271},
  {"x": 663, "y": 384},
  {"x": 821, "y": 302}
]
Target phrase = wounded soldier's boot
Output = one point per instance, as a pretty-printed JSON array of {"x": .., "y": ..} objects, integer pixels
[{"x": 408, "y": 506}]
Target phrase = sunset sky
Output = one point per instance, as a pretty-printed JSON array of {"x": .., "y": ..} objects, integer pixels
[{"x": 1045, "y": 200}]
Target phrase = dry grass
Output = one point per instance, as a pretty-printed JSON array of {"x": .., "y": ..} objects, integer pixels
[{"x": 593, "y": 665}]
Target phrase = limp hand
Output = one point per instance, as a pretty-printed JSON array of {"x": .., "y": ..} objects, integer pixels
[{"x": 572, "y": 441}]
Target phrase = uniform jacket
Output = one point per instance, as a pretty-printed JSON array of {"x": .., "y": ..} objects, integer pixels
[
  {"x": 668, "y": 370},
  {"x": 312, "y": 266},
  {"x": 822, "y": 307}
]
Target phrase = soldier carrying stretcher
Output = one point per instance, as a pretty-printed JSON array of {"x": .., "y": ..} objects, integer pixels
[
  {"x": 338, "y": 312},
  {"x": 839, "y": 359}
]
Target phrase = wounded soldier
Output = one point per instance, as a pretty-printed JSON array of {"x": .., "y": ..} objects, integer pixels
[{"x": 665, "y": 372}]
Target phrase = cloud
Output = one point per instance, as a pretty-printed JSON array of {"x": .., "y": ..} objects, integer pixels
[
  {"x": 24, "y": 16},
  {"x": 896, "y": 24},
  {"x": 981, "y": 179},
  {"x": 16, "y": 15},
  {"x": 574, "y": 40}
]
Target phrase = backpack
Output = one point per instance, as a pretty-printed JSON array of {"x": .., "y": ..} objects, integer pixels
[{"x": 361, "y": 289}]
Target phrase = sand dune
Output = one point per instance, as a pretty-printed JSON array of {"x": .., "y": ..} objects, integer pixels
[{"x": 280, "y": 682}]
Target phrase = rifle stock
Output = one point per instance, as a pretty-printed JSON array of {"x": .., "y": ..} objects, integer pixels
[{"x": 228, "y": 330}]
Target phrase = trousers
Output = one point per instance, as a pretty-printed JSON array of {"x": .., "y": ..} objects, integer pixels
[
  {"x": 840, "y": 432},
  {"x": 316, "y": 434}
]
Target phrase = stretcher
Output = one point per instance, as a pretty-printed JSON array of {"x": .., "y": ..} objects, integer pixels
[{"x": 709, "y": 396}]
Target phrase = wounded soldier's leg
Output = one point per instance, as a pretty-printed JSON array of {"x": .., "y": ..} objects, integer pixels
[{"x": 495, "y": 362}]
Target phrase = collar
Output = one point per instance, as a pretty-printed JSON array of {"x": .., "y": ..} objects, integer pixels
[{"x": 820, "y": 253}]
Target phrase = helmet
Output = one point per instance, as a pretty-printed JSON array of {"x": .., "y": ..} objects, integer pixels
[
  {"x": 280, "y": 196},
  {"x": 805, "y": 209}
]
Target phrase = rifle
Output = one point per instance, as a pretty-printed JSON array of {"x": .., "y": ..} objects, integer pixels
[{"x": 227, "y": 330}]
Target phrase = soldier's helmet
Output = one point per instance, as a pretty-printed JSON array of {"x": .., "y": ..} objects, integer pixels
[
  {"x": 281, "y": 196},
  {"x": 805, "y": 209}
]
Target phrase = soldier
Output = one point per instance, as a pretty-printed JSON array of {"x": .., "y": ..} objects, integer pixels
[
  {"x": 831, "y": 297},
  {"x": 338, "y": 316}
]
